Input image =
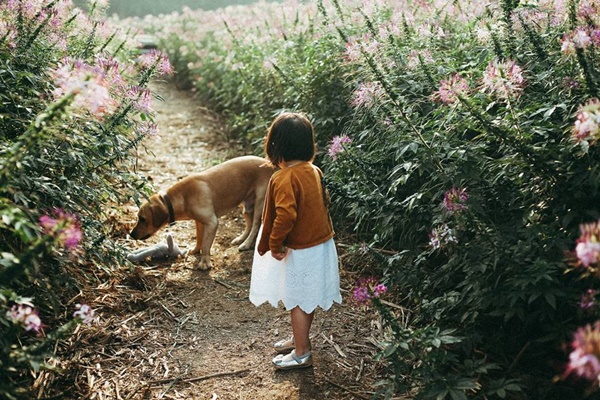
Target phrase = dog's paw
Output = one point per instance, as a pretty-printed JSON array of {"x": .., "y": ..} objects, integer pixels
[
  {"x": 204, "y": 264},
  {"x": 246, "y": 246},
  {"x": 193, "y": 251},
  {"x": 238, "y": 240}
]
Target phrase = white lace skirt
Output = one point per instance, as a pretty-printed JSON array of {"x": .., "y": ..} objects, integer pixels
[{"x": 308, "y": 278}]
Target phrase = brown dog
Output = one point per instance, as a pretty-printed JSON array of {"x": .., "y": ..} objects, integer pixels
[{"x": 206, "y": 196}]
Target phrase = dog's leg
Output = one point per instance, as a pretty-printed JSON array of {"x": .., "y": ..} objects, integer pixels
[
  {"x": 199, "y": 238},
  {"x": 210, "y": 231},
  {"x": 255, "y": 217},
  {"x": 248, "y": 210}
]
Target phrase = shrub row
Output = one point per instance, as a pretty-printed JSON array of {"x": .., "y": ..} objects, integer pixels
[{"x": 73, "y": 108}]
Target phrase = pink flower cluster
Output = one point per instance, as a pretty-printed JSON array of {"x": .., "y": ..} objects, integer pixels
[
  {"x": 147, "y": 128},
  {"x": 455, "y": 199},
  {"x": 451, "y": 89},
  {"x": 353, "y": 50},
  {"x": 35, "y": 11},
  {"x": 89, "y": 85},
  {"x": 441, "y": 236},
  {"x": 584, "y": 360},
  {"x": 25, "y": 316},
  {"x": 586, "y": 126},
  {"x": 140, "y": 98},
  {"x": 588, "y": 244},
  {"x": 85, "y": 313},
  {"x": 588, "y": 299},
  {"x": 580, "y": 38},
  {"x": 336, "y": 145},
  {"x": 504, "y": 79},
  {"x": 158, "y": 60},
  {"x": 64, "y": 227},
  {"x": 414, "y": 58},
  {"x": 356, "y": 46},
  {"x": 366, "y": 289},
  {"x": 366, "y": 94},
  {"x": 588, "y": 9}
]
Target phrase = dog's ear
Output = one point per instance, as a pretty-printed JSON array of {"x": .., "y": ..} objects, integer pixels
[{"x": 159, "y": 212}]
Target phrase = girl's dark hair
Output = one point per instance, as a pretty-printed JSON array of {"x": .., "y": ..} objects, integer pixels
[{"x": 290, "y": 137}]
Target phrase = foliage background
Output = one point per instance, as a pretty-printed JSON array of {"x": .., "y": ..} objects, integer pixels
[
  {"x": 72, "y": 95},
  {"x": 428, "y": 96}
]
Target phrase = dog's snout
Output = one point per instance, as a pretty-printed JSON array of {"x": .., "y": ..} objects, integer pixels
[{"x": 136, "y": 236}]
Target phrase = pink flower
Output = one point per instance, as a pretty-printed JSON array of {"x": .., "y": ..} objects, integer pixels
[
  {"x": 503, "y": 79},
  {"x": 147, "y": 128},
  {"x": 9, "y": 34},
  {"x": 336, "y": 146},
  {"x": 581, "y": 39},
  {"x": 64, "y": 227},
  {"x": 26, "y": 316},
  {"x": 588, "y": 245},
  {"x": 455, "y": 199},
  {"x": 355, "y": 47},
  {"x": 588, "y": 9},
  {"x": 415, "y": 57},
  {"x": 370, "y": 44},
  {"x": 85, "y": 313},
  {"x": 110, "y": 67},
  {"x": 140, "y": 98},
  {"x": 87, "y": 83},
  {"x": 366, "y": 94},
  {"x": 588, "y": 299},
  {"x": 584, "y": 359},
  {"x": 440, "y": 236},
  {"x": 586, "y": 127},
  {"x": 366, "y": 289},
  {"x": 353, "y": 51},
  {"x": 595, "y": 36},
  {"x": 158, "y": 60},
  {"x": 588, "y": 252},
  {"x": 269, "y": 63},
  {"x": 451, "y": 89}
]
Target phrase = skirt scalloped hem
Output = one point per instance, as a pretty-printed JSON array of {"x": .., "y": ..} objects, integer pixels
[
  {"x": 306, "y": 308},
  {"x": 306, "y": 278}
]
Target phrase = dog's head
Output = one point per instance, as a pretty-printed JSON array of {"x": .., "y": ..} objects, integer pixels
[{"x": 151, "y": 217}]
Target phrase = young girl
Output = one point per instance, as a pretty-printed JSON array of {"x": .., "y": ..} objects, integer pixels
[{"x": 295, "y": 260}]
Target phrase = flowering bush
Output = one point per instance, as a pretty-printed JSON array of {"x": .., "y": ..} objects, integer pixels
[
  {"x": 366, "y": 290},
  {"x": 584, "y": 359},
  {"x": 74, "y": 105},
  {"x": 460, "y": 137}
]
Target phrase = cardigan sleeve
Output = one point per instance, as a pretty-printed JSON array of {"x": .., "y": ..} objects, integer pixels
[{"x": 285, "y": 214}]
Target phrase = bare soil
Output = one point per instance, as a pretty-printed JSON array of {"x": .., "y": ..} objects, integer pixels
[{"x": 168, "y": 330}]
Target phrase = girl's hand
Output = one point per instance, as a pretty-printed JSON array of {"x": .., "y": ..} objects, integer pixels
[{"x": 282, "y": 255}]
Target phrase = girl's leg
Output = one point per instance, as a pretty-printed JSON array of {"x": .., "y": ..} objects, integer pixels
[{"x": 301, "y": 323}]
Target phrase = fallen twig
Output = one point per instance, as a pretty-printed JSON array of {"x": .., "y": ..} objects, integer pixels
[
  {"x": 227, "y": 285},
  {"x": 360, "y": 370},
  {"x": 198, "y": 378},
  {"x": 335, "y": 346},
  {"x": 166, "y": 309}
]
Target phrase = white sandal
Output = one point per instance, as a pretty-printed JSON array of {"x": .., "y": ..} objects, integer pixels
[
  {"x": 292, "y": 361},
  {"x": 284, "y": 346}
]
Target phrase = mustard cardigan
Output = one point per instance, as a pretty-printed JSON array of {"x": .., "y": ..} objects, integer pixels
[{"x": 295, "y": 214}]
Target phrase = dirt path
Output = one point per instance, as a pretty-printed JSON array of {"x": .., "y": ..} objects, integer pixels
[{"x": 172, "y": 331}]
